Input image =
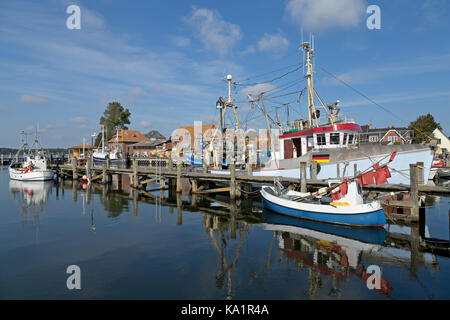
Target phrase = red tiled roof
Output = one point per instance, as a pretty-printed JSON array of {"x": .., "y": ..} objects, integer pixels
[{"x": 128, "y": 136}]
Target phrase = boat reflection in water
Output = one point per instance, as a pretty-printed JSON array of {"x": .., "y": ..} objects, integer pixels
[
  {"x": 326, "y": 249},
  {"x": 31, "y": 196}
]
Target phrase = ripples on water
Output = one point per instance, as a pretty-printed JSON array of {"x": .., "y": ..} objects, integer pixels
[{"x": 164, "y": 246}]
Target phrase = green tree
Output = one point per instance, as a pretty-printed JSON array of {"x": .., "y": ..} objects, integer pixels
[
  {"x": 423, "y": 128},
  {"x": 115, "y": 117}
]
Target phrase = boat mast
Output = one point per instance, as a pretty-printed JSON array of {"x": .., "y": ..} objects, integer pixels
[
  {"x": 103, "y": 139},
  {"x": 313, "y": 114},
  {"x": 306, "y": 46}
]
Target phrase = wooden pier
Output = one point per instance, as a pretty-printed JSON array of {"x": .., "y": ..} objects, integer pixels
[{"x": 236, "y": 183}]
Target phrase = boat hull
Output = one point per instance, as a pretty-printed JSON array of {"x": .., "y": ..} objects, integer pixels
[
  {"x": 361, "y": 216},
  {"x": 36, "y": 175},
  {"x": 399, "y": 172}
]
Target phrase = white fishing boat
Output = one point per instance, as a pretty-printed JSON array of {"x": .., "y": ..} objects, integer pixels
[
  {"x": 101, "y": 155},
  {"x": 30, "y": 163}
]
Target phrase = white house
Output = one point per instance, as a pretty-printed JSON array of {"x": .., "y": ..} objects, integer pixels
[{"x": 443, "y": 142}]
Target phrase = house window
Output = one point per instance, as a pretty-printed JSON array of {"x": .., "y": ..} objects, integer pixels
[
  {"x": 373, "y": 138},
  {"x": 392, "y": 138},
  {"x": 321, "y": 141},
  {"x": 334, "y": 138}
]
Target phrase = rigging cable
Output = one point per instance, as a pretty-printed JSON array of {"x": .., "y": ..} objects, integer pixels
[{"x": 372, "y": 101}]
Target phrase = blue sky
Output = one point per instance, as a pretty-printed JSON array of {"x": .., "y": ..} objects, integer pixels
[{"x": 166, "y": 61}]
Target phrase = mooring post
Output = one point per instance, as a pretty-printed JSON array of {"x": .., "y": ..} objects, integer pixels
[
  {"x": 314, "y": 170},
  {"x": 303, "y": 177},
  {"x": 106, "y": 175},
  {"x": 170, "y": 164},
  {"x": 194, "y": 185},
  {"x": 2, "y": 159},
  {"x": 232, "y": 180},
  {"x": 414, "y": 190},
  {"x": 248, "y": 186},
  {"x": 205, "y": 167},
  {"x": 135, "y": 182},
  {"x": 338, "y": 169},
  {"x": 179, "y": 185},
  {"x": 420, "y": 173},
  {"x": 89, "y": 168},
  {"x": 355, "y": 169},
  {"x": 74, "y": 168}
]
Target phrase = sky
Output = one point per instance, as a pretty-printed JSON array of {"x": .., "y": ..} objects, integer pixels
[{"x": 167, "y": 60}]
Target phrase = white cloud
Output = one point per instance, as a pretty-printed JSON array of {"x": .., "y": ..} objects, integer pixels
[
  {"x": 79, "y": 120},
  {"x": 215, "y": 33},
  {"x": 144, "y": 124},
  {"x": 274, "y": 43},
  {"x": 34, "y": 99},
  {"x": 318, "y": 15},
  {"x": 255, "y": 90},
  {"x": 182, "y": 42},
  {"x": 137, "y": 92}
]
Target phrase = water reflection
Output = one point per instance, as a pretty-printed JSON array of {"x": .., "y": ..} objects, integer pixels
[
  {"x": 326, "y": 257},
  {"x": 30, "y": 196},
  {"x": 329, "y": 250}
]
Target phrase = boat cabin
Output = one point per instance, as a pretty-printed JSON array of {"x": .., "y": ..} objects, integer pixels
[{"x": 297, "y": 143}]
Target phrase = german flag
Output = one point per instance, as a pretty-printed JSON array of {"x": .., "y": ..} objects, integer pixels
[{"x": 321, "y": 158}]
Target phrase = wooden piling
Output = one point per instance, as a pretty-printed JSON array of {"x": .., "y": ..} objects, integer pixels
[
  {"x": 355, "y": 169},
  {"x": 414, "y": 191},
  {"x": 170, "y": 164},
  {"x": 314, "y": 170},
  {"x": 233, "y": 180},
  {"x": 420, "y": 173},
  {"x": 74, "y": 169},
  {"x": 194, "y": 185},
  {"x": 179, "y": 182},
  {"x": 248, "y": 186},
  {"x": 303, "y": 177},
  {"x": 2, "y": 159},
  {"x": 89, "y": 168},
  {"x": 135, "y": 177},
  {"x": 338, "y": 169},
  {"x": 106, "y": 176}
]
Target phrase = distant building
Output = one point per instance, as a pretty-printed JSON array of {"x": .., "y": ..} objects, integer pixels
[
  {"x": 390, "y": 135},
  {"x": 185, "y": 136},
  {"x": 442, "y": 142},
  {"x": 123, "y": 141},
  {"x": 80, "y": 151},
  {"x": 157, "y": 145}
]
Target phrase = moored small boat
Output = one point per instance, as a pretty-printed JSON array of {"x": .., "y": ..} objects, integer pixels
[{"x": 350, "y": 210}]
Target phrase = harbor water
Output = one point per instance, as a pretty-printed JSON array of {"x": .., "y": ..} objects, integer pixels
[{"x": 161, "y": 245}]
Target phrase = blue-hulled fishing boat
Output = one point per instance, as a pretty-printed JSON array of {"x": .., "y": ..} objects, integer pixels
[{"x": 349, "y": 210}]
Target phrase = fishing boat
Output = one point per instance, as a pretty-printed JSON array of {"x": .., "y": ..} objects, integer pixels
[
  {"x": 329, "y": 142},
  {"x": 351, "y": 210},
  {"x": 100, "y": 155},
  {"x": 333, "y": 145},
  {"x": 340, "y": 203},
  {"x": 30, "y": 163}
]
